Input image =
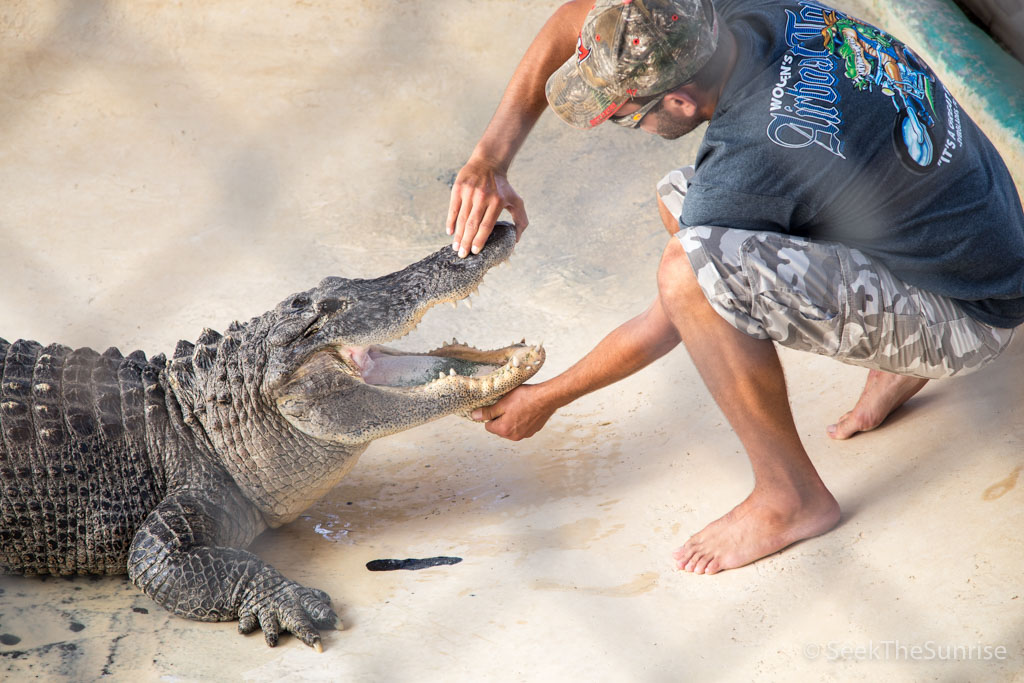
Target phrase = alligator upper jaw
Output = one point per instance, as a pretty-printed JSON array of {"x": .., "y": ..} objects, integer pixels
[{"x": 387, "y": 308}]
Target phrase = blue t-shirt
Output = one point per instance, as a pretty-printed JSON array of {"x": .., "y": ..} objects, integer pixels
[{"x": 831, "y": 129}]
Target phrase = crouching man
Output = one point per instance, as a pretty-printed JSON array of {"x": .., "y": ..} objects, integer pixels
[{"x": 841, "y": 203}]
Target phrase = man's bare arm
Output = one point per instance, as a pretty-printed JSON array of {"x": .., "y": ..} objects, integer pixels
[
  {"x": 628, "y": 348},
  {"x": 481, "y": 189}
]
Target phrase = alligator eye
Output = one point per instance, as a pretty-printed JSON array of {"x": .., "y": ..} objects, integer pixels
[
  {"x": 328, "y": 306},
  {"x": 300, "y": 302}
]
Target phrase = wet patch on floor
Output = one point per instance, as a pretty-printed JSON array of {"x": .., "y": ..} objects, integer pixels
[
  {"x": 641, "y": 584},
  {"x": 1001, "y": 488}
]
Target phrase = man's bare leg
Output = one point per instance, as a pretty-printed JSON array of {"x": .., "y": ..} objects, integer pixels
[
  {"x": 883, "y": 393},
  {"x": 789, "y": 501}
]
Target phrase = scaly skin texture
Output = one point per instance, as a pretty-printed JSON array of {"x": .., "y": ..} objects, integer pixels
[{"x": 166, "y": 470}]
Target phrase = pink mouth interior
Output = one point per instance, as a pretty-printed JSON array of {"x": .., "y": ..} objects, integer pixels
[{"x": 387, "y": 369}]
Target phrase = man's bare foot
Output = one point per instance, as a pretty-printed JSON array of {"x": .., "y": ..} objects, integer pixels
[
  {"x": 759, "y": 526},
  {"x": 883, "y": 393}
]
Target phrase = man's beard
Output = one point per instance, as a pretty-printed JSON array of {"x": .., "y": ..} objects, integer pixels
[
  {"x": 668, "y": 126},
  {"x": 672, "y": 128}
]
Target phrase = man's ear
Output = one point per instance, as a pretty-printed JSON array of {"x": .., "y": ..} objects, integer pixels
[{"x": 681, "y": 103}]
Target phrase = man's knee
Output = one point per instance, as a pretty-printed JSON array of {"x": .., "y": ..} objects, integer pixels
[{"x": 677, "y": 283}]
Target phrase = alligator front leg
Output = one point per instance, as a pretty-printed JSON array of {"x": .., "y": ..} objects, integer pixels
[{"x": 183, "y": 558}]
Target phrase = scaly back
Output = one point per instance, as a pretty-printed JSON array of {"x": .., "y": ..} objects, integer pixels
[{"x": 76, "y": 476}]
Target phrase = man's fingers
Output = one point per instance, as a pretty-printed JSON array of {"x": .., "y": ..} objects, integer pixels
[
  {"x": 474, "y": 226},
  {"x": 486, "y": 413},
  {"x": 482, "y": 234},
  {"x": 466, "y": 226},
  {"x": 453, "y": 212},
  {"x": 479, "y": 195},
  {"x": 460, "y": 223},
  {"x": 499, "y": 428},
  {"x": 518, "y": 211}
]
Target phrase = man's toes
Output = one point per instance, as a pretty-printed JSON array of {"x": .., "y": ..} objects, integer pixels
[
  {"x": 713, "y": 567},
  {"x": 847, "y": 426},
  {"x": 686, "y": 554},
  {"x": 701, "y": 564},
  {"x": 691, "y": 566}
]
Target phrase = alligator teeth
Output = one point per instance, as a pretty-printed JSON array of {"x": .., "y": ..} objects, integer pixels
[
  {"x": 440, "y": 375},
  {"x": 469, "y": 304},
  {"x": 451, "y": 373},
  {"x": 454, "y": 305},
  {"x": 515, "y": 361}
]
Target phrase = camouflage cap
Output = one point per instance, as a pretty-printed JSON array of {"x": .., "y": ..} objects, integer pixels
[{"x": 631, "y": 48}]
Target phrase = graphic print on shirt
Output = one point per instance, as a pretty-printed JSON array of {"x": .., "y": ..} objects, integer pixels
[
  {"x": 826, "y": 45},
  {"x": 873, "y": 58}
]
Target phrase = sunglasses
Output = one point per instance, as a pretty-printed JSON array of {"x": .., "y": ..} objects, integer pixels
[{"x": 633, "y": 120}]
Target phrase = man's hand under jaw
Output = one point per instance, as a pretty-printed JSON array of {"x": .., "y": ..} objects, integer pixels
[
  {"x": 479, "y": 195},
  {"x": 519, "y": 414}
]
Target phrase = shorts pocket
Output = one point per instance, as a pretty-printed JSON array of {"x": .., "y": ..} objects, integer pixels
[
  {"x": 788, "y": 286},
  {"x": 794, "y": 321}
]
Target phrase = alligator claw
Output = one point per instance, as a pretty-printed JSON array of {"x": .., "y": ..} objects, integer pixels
[
  {"x": 287, "y": 606},
  {"x": 247, "y": 623},
  {"x": 271, "y": 627}
]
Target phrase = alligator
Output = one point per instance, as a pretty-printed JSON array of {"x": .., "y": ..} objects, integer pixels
[{"x": 167, "y": 469}]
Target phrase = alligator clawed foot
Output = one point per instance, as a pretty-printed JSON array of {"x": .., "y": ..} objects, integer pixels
[{"x": 288, "y": 606}]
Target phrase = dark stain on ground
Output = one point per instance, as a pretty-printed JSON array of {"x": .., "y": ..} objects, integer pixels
[
  {"x": 112, "y": 655},
  {"x": 9, "y": 639},
  {"x": 140, "y": 610},
  {"x": 76, "y": 627},
  {"x": 410, "y": 563},
  {"x": 65, "y": 648}
]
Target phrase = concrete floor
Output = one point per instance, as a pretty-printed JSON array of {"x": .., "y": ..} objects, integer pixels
[{"x": 167, "y": 166}]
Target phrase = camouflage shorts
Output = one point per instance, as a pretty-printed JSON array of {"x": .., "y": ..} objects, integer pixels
[{"x": 832, "y": 300}]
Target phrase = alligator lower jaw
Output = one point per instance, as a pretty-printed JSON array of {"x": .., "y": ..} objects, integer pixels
[{"x": 451, "y": 366}]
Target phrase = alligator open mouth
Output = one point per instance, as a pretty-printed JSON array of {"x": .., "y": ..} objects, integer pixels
[
  {"x": 452, "y": 363},
  {"x": 454, "y": 367},
  {"x": 349, "y": 388}
]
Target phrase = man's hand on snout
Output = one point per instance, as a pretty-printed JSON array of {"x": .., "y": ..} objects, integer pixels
[
  {"x": 479, "y": 195},
  {"x": 519, "y": 414}
]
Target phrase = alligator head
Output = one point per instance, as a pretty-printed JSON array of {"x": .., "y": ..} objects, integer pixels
[
  {"x": 288, "y": 400},
  {"x": 330, "y": 376}
]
